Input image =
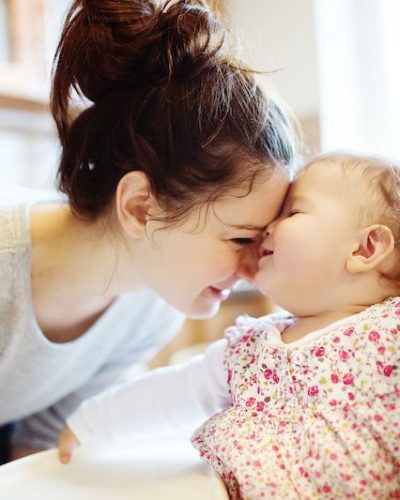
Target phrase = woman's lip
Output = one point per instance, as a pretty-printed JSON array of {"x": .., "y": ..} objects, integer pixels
[{"x": 265, "y": 252}]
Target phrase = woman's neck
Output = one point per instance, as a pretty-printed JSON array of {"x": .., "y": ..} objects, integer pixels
[{"x": 74, "y": 269}]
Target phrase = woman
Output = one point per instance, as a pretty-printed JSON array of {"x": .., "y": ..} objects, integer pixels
[{"x": 171, "y": 173}]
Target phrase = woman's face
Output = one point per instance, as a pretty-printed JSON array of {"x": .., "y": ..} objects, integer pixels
[{"x": 195, "y": 265}]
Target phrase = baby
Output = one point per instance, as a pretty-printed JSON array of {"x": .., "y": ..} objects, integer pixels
[{"x": 305, "y": 402}]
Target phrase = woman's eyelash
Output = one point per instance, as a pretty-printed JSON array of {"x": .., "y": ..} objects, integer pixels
[{"x": 243, "y": 241}]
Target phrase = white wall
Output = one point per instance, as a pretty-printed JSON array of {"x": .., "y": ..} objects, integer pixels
[
  {"x": 28, "y": 144},
  {"x": 359, "y": 70},
  {"x": 4, "y": 45},
  {"x": 54, "y": 15},
  {"x": 279, "y": 35}
]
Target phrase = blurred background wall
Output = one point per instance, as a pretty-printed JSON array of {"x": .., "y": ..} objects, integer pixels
[{"x": 334, "y": 62}]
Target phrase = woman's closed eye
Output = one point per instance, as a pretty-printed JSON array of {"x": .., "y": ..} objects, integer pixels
[{"x": 243, "y": 241}]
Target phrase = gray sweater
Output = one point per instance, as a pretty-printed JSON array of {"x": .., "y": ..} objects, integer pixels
[{"x": 42, "y": 382}]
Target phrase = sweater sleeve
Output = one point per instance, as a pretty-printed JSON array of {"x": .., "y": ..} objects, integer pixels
[{"x": 166, "y": 399}]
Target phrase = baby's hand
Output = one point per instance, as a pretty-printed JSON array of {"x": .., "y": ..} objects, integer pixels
[{"x": 67, "y": 442}]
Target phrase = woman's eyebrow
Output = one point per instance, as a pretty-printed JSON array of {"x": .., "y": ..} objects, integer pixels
[{"x": 249, "y": 227}]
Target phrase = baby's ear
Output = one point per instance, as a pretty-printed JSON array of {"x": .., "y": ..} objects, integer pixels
[{"x": 374, "y": 245}]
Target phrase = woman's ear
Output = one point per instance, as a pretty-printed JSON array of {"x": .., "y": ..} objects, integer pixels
[
  {"x": 375, "y": 244},
  {"x": 133, "y": 201}
]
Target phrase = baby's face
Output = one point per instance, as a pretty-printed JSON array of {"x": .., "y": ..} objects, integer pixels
[{"x": 304, "y": 253}]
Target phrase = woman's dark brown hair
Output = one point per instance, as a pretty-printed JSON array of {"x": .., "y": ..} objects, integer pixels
[{"x": 165, "y": 98}]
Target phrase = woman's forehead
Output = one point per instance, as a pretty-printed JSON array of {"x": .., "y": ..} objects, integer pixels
[{"x": 254, "y": 209}]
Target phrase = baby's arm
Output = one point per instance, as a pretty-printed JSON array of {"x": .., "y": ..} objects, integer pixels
[{"x": 169, "y": 398}]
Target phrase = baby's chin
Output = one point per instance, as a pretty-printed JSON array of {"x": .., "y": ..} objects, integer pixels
[
  {"x": 201, "y": 310},
  {"x": 278, "y": 302},
  {"x": 261, "y": 284}
]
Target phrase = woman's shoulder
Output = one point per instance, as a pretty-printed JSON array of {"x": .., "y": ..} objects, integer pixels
[
  {"x": 15, "y": 202},
  {"x": 11, "y": 229}
]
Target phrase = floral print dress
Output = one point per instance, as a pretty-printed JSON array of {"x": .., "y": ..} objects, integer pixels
[{"x": 317, "y": 418}]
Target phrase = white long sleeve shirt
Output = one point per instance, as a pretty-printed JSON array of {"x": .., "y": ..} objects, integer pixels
[
  {"x": 163, "y": 400},
  {"x": 42, "y": 382}
]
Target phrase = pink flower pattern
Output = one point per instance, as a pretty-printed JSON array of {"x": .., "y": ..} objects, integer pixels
[{"x": 319, "y": 418}]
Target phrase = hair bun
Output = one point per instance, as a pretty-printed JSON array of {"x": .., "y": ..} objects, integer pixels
[
  {"x": 193, "y": 35},
  {"x": 118, "y": 43},
  {"x": 102, "y": 40},
  {"x": 109, "y": 45}
]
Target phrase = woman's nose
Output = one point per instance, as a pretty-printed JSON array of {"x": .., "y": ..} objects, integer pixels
[
  {"x": 265, "y": 235},
  {"x": 271, "y": 227},
  {"x": 248, "y": 266}
]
